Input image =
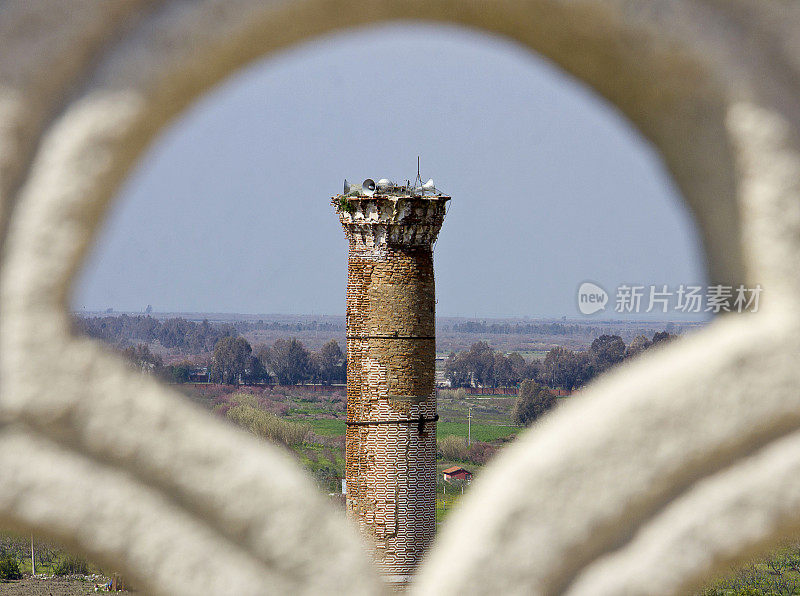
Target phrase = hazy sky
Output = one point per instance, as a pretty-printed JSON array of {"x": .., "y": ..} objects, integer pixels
[{"x": 229, "y": 210}]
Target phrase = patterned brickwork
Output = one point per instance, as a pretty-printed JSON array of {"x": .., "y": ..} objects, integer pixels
[{"x": 391, "y": 468}]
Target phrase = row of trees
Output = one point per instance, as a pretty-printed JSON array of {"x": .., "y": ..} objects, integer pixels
[
  {"x": 481, "y": 366},
  {"x": 567, "y": 369},
  {"x": 234, "y": 361},
  {"x": 287, "y": 361},
  {"x": 289, "y": 327},
  {"x": 174, "y": 333},
  {"x": 179, "y": 333},
  {"x": 524, "y": 328}
]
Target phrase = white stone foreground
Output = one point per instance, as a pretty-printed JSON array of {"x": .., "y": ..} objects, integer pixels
[{"x": 660, "y": 475}]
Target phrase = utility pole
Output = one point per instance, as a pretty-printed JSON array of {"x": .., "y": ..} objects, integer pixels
[
  {"x": 469, "y": 426},
  {"x": 33, "y": 558}
]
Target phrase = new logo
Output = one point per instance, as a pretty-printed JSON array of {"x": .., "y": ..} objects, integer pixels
[{"x": 591, "y": 298}]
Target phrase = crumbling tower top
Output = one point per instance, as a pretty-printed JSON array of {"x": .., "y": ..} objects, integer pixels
[{"x": 390, "y": 215}]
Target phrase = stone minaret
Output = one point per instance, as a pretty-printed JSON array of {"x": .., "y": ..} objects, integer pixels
[{"x": 391, "y": 350}]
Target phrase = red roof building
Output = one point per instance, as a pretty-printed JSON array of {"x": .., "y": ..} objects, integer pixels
[{"x": 457, "y": 473}]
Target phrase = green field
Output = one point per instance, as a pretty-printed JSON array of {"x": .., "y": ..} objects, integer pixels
[
  {"x": 326, "y": 426},
  {"x": 480, "y": 432}
]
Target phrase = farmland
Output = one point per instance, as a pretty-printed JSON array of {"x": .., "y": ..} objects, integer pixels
[{"x": 323, "y": 415}]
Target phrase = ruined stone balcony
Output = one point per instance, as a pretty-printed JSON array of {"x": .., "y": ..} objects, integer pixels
[{"x": 380, "y": 221}]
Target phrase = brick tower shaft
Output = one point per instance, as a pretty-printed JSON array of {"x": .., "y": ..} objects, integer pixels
[{"x": 391, "y": 351}]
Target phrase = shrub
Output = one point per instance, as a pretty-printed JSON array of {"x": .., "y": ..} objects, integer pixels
[
  {"x": 71, "y": 565},
  {"x": 454, "y": 394},
  {"x": 455, "y": 448},
  {"x": 9, "y": 569},
  {"x": 480, "y": 452},
  {"x": 267, "y": 425},
  {"x": 346, "y": 205},
  {"x": 243, "y": 398},
  {"x": 452, "y": 447}
]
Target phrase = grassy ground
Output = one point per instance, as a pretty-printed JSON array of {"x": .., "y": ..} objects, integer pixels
[
  {"x": 478, "y": 432},
  {"x": 326, "y": 426},
  {"x": 491, "y": 417},
  {"x": 777, "y": 574},
  {"x": 445, "y": 504}
]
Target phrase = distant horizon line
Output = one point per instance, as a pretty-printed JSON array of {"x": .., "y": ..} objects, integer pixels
[{"x": 555, "y": 318}]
